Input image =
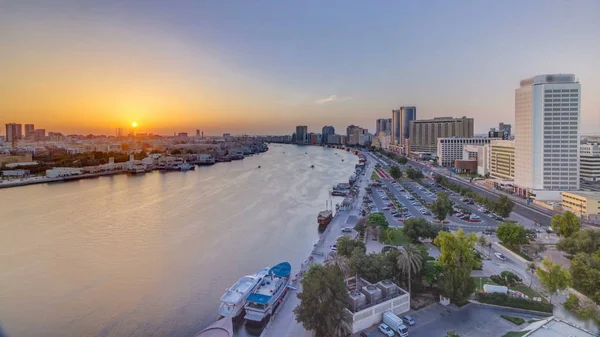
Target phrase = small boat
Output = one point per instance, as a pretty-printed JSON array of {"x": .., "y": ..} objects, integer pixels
[
  {"x": 312, "y": 166},
  {"x": 258, "y": 166},
  {"x": 234, "y": 299},
  {"x": 206, "y": 159},
  {"x": 324, "y": 217},
  {"x": 185, "y": 167},
  {"x": 267, "y": 296}
]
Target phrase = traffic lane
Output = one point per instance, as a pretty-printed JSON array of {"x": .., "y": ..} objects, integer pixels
[
  {"x": 407, "y": 203},
  {"x": 380, "y": 204},
  {"x": 475, "y": 210}
]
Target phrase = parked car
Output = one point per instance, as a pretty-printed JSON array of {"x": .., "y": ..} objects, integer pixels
[
  {"x": 347, "y": 229},
  {"x": 334, "y": 247},
  {"x": 386, "y": 330},
  {"x": 408, "y": 320},
  {"x": 500, "y": 256}
]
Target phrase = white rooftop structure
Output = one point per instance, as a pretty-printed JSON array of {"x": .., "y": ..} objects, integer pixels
[{"x": 554, "y": 327}]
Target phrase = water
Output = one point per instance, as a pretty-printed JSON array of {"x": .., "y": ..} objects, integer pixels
[{"x": 151, "y": 255}]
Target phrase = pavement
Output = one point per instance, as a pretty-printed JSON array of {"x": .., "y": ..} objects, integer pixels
[
  {"x": 283, "y": 323},
  {"x": 472, "y": 320}
]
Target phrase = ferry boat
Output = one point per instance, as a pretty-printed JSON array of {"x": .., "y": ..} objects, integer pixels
[
  {"x": 324, "y": 217},
  {"x": 268, "y": 295},
  {"x": 234, "y": 299},
  {"x": 206, "y": 159}
]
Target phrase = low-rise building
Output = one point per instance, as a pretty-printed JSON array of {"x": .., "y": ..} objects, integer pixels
[
  {"x": 581, "y": 203},
  {"x": 451, "y": 149},
  {"x": 589, "y": 162},
  {"x": 63, "y": 172},
  {"x": 554, "y": 327},
  {"x": 367, "y": 302},
  {"x": 502, "y": 159}
]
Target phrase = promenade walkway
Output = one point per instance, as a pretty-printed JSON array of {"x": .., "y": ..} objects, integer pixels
[{"x": 283, "y": 323}]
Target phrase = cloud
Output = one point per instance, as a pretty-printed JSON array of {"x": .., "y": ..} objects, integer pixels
[{"x": 332, "y": 98}]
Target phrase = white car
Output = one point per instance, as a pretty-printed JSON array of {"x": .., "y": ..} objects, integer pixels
[
  {"x": 386, "y": 330},
  {"x": 347, "y": 229},
  {"x": 500, "y": 256}
]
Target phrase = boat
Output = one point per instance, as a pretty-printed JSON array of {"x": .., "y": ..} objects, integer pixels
[
  {"x": 185, "y": 167},
  {"x": 234, "y": 299},
  {"x": 206, "y": 159},
  {"x": 267, "y": 296},
  {"x": 312, "y": 166},
  {"x": 324, "y": 217}
]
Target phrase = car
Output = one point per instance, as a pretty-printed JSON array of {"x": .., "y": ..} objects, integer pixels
[
  {"x": 397, "y": 215},
  {"x": 386, "y": 330},
  {"x": 408, "y": 320},
  {"x": 347, "y": 229},
  {"x": 385, "y": 198},
  {"x": 334, "y": 247},
  {"x": 374, "y": 210},
  {"x": 386, "y": 208},
  {"x": 427, "y": 213},
  {"x": 500, "y": 256}
]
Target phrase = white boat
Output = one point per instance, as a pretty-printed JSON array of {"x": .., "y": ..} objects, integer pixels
[
  {"x": 234, "y": 299},
  {"x": 185, "y": 167},
  {"x": 206, "y": 159},
  {"x": 267, "y": 296}
]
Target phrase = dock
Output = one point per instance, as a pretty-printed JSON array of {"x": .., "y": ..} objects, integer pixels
[{"x": 220, "y": 328}]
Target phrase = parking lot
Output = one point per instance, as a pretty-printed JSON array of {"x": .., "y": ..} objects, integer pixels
[{"x": 472, "y": 320}]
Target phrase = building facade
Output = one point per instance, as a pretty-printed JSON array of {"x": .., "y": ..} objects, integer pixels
[
  {"x": 383, "y": 125},
  {"x": 326, "y": 132},
  {"x": 451, "y": 149},
  {"x": 13, "y": 132},
  {"x": 395, "y": 126},
  {"x": 29, "y": 131},
  {"x": 407, "y": 114},
  {"x": 547, "y": 125},
  {"x": 581, "y": 203},
  {"x": 502, "y": 159},
  {"x": 424, "y": 134},
  {"x": 301, "y": 134},
  {"x": 589, "y": 162}
]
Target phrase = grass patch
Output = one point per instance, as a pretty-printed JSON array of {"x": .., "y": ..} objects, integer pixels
[
  {"x": 533, "y": 320},
  {"x": 481, "y": 281},
  {"x": 526, "y": 290},
  {"x": 375, "y": 176},
  {"x": 394, "y": 237},
  {"x": 514, "y": 302},
  {"x": 512, "y": 319},
  {"x": 515, "y": 333}
]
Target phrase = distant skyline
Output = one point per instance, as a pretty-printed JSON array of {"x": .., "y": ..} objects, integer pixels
[{"x": 263, "y": 68}]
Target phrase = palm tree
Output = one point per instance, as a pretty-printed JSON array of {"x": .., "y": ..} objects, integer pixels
[
  {"x": 532, "y": 268},
  {"x": 409, "y": 261},
  {"x": 482, "y": 242},
  {"x": 338, "y": 261},
  {"x": 489, "y": 245}
]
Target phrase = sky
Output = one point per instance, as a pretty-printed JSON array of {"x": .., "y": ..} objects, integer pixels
[{"x": 263, "y": 67}]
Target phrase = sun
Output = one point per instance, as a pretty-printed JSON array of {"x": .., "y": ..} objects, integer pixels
[{"x": 134, "y": 124}]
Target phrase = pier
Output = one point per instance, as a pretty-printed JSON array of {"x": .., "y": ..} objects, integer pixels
[{"x": 220, "y": 328}]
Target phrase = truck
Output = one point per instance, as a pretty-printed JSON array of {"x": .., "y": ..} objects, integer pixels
[{"x": 395, "y": 323}]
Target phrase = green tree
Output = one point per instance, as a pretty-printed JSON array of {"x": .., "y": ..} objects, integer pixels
[
  {"x": 482, "y": 242},
  {"x": 531, "y": 267},
  {"x": 452, "y": 333},
  {"x": 322, "y": 300},
  {"x": 416, "y": 228},
  {"x": 510, "y": 278},
  {"x": 378, "y": 219},
  {"x": 346, "y": 245},
  {"x": 395, "y": 172},
  {"x": 585, "y": 270},
  {"x": 503, "y": 206},
  {"x": 586, "y": 241},
  {"x": 512, "y": 234},
  {"x": 340, "y": 262},
  {"x": 565, "y": 224},
  {"x": 402, "y": 160},
  {"x": 410, "y": 261},
  {"x": 572, "y": 303},
  {"x": 442, "y": 206},
  {"x": 553, "y": 277},
  {"x": 457, "y": 260},
  {"x": 414, "y": 174}
]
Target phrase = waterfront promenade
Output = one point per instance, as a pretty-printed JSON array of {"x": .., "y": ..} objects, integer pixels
[{"x": 283, "y": 323}]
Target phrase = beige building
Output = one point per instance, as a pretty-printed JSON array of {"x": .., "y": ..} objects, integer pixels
[
  {"x": 589, "y": 162},
  {"x": 424, "y": 133},
  {"x": 581, "y": 203},
  {"x": 502, "y": 159}
]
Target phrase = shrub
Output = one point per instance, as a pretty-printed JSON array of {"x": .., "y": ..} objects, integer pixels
[
  {"x": 515, "y": 320},
  {"x": 513, "y": 302},
  {"x": 498, "y": 280},
  {"x": 572, "y": 302},
  {"x": 510, "y": 277}
]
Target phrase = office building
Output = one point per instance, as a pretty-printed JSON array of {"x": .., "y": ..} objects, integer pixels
[
  {"x": 383, "y": 125},
  {"x": 502, "y": 159},
  {"x": 481, "y": 154},
  {"x": 581, "y": 203},
  {"x": 14, "y": 132},
  {"x": 395, "y": 126},
  {"x": 547, "y": 115},
  {"x": 29, "y": 130},
  {"x": 301, "y": 134},
  {"x": 356, "y": 135},
  {"x": 451, "y": 149},
  {"x": 424, "y": 134},
  {"x": 39, "y": 134},
  {"x": 326, "y": 132},
  {"x": 589, "y": 162},
  {"x": 407, "y": 114}
]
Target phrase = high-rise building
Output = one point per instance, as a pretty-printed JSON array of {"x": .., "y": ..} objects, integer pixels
[
  {"x": 383, "y": 124},
  {"x": 503, "y": 131},
  {"x": 506, "y": 128},
  {"x": 302, "y": 134},
  {"x": 589, "y": 162},
  {"x": 39, "y": 134},
  {"x": 547, "y": 113},
  {"x": 502, "y": 159},
  {"x": 29, "y": 130},
  {"x": 325, "y": 133},
  {"x": 407, "y": 114},
  {"x": 13, "y": 132},
  {"x": 451, "y": 149},
  {"x": 395, "y": 126},
  {"x": 425, "y": 133}
]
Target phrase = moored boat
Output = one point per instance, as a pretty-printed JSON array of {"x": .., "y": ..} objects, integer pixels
[
  {"x": 234, "y": 299},
  {"x": 267, "y": 296},
  {"x": 206, "y": 159},
  {"x": 324, "y": 217}
]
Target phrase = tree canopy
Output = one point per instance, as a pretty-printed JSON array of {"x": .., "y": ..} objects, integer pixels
[
  {"x": 346, "y": 245},
  {"x": 553, "y": 277},
  {"x": 565, "y": 224},
  {"x": 416, "y": 228},
  {"x": 586, "y": 241},
  {"x": 457, "y": 260},
  {"x": 378, "y": 219},
  {"x": 395, "y": 172},
  {"x": 442, "y": 206},
  {"x": 503, "y": 206},
  {"x": 512, "y": 234},
  {"x": 585, "y": 270},
  {"x": 414, "y": 174},
  {"x": 322, "y": 300}
]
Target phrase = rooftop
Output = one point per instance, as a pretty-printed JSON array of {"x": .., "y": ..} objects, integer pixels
[
  {"x": 585, "y": 194},
  {"x": 550, "y": 79},
  {"x": 553, "y": 327}
]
